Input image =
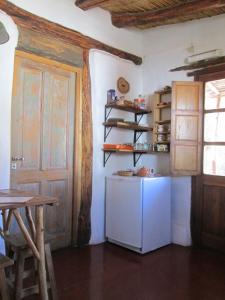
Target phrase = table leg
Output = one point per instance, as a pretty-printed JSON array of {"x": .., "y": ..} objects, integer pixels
[
  {"x": 43, "y": 289},
  {"x": 31, "y": 222},
  {"x": 4, "y": 219},
  {"x": 4, "y": 293},
  {"x": 26, "y": 233}
]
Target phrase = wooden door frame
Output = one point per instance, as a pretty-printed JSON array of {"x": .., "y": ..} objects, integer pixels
[
  {"x": 77, "y": 152},
  {"x": 210, "y": 74}
]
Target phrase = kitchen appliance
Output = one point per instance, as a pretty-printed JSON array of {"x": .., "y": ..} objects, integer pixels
[{"x": 138, "y": 212}]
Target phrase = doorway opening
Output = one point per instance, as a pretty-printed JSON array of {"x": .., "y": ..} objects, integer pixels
[{"x": 208, "y": 189}]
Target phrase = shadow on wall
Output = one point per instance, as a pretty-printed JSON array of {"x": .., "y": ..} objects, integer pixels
[{"x": 4, "y": 36}]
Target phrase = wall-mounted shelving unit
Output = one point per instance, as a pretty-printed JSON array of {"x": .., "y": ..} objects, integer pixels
[
  {"x": 136, "y": 128},
  {"x": 162, "y": 102},
  {"x": 136, "y": 154}
]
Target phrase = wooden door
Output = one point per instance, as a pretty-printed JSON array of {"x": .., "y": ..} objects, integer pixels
[
  {"x": 43, "y": 109},
  {"x": 186, "y": 128},
  {"x": 208, "y": 201}
]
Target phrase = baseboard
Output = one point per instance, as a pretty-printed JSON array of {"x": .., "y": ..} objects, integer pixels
[
  {"x": 97, "y": 241},
  {"x": 181, "y": 235}
]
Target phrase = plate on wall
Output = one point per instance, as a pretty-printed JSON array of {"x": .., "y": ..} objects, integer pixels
[{"x": 123, "y": 85}]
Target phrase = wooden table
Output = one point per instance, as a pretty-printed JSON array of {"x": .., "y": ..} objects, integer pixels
[{"x": 34, "y": 238}]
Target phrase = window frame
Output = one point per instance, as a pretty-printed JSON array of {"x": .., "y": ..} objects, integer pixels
[{"x": 206, "y": 75}]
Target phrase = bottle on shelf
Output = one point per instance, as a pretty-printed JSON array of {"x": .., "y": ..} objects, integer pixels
[
  {"x": 111, "y": 96},
  {"x": 140, "y": 102}
]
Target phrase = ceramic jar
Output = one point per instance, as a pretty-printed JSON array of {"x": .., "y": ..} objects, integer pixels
[{"x": 143, "y": 172}]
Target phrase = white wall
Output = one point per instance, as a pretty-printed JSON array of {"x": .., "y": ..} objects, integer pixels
[
  {"x": 95, "y": 23},
  {"x": 6, "y": 77},
  {"x": 105, "y": 70},
  {"x": 165, "y": 48}
]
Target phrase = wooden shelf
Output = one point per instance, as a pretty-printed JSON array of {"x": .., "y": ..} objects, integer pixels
[
  {"x": 127, "y": 126},
  {"x": 161, "y": 122},
  {"x": 127, "y": 151},
  {"x": 164, "y": 143},
  {"x": 166, "y": 92},
  {"x": 161, "y": 106},
  {"x": 129, "y": 109},
  {"x": 164, "y": 132},
  {"x": 162, "y": 152},
  {"x": 136, "y": 154},
  {"x": 134, "y": 151}
]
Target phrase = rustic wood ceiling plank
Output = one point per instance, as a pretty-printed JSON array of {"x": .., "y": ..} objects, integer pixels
[
  {"x": 87, "y": 4},
  {"x": 33, "y": 22},
  {"x": 135, "y": 6},
  {"x": 165, "y": 16}
]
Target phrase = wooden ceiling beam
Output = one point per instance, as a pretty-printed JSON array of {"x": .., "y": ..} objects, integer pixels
[
  {"x": 165, "y": 16},
  {"x": 30, "y": 21},
  {"x": 201, "y": 64},
  {"x": 87, "y": 4},
  {"x": 207, "y": 70}
]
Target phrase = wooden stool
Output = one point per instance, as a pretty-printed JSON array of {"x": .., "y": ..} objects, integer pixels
[
  {"x": 4, "y": 263},
  {"x": 19, "y": 250}
]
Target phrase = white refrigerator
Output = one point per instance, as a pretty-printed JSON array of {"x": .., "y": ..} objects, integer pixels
[{"x": 138, "y": 212}]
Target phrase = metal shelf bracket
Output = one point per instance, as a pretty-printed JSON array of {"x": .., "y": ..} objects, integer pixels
[
  {"x": 106, "y": 157},
  {"x": 137, "y": 136},
  {"x": 138, "y": 117},
  {"x": 107, "y": 112},
  {"x": 106, "y": 132},
  {"x": 136, "y": 157}
]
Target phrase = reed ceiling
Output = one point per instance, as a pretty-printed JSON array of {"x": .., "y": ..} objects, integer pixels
[{"x": 145, "y": 14}]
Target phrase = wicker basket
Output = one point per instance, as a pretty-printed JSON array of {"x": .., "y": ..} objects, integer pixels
[{"x": 125, "y": 173}]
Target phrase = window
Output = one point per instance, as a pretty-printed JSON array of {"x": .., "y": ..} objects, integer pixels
[{"x": 214, "y": 128}]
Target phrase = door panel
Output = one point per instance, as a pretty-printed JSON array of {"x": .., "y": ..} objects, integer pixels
[
  {"x": 31, "y": 101},
  {"x": 186, "y": 128},
  {"x": 187, "y": 96},
  {"x": 58, "y": 220},
  {"x": 212, "y": 233},
  {"x": 213, "y": 211},
  {"x": 43, "y": 135},
  {"x": 26, "y": 117},
  {"x": 185, "y": 158},
  {"x": 56, "y": 121},
  {"x": 34, "y": 187}
]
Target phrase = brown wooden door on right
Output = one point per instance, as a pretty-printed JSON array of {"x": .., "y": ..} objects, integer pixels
[
  {"x": 208, "y": 201},
  {"x": 43, "y": 109}
]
